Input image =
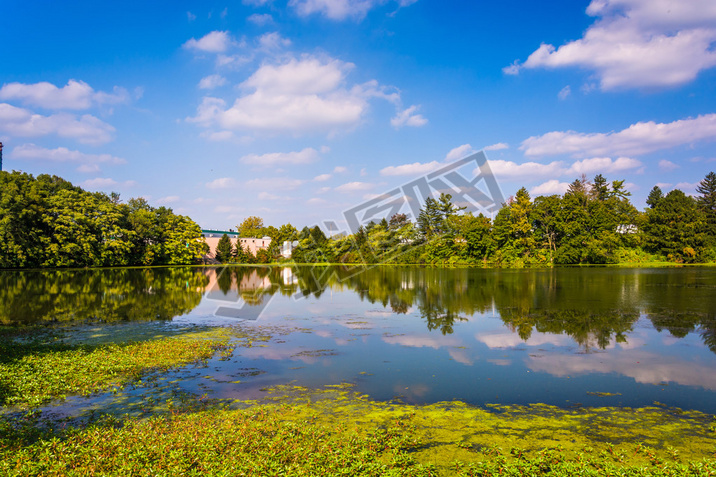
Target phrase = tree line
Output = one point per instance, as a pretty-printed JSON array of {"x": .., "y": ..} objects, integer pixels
[
  {"x": 45, "y": 221},
  {"x": 593, "y": 222}
]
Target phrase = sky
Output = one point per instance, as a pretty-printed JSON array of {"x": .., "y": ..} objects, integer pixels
[{"x": 296, "y": 111}]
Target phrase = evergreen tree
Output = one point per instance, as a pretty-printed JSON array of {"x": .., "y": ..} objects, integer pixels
[
  {"x": 675, "y": 228},
  {"x": 600, "y": 189},
  {"x": 707, "y": 203},
  {"x": 655, "y": 197},
  {"x": 224, "y": 249}
]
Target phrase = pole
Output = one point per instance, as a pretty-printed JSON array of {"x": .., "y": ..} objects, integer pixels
[{"x": 0, "y": 157}]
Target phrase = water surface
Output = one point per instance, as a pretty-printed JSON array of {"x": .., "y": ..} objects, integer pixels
[{"x": 567, "y": 336}]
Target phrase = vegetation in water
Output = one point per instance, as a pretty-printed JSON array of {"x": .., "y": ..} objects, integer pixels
[
  {"x": 336, "y": 432},
  {"x": 36, "y": 369}
]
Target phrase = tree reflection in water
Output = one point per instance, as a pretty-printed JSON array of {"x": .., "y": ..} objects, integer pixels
[{"x": 595, "y": 307}]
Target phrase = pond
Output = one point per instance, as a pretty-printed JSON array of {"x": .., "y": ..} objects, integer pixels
[{"x": 565, "y": 336}]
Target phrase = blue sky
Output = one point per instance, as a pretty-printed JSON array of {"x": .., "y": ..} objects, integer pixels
[{"x": 296, "y": 111}]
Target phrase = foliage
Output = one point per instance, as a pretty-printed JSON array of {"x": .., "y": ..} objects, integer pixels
[
  {"x": 48, "y": 222},
  {"x": 251, "y": 227},
  {"x": 224, "y": 249},
  {"x": 675, "y": 228}
]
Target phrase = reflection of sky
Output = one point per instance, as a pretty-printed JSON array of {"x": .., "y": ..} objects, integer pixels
[{"x": 387, "y": 354}]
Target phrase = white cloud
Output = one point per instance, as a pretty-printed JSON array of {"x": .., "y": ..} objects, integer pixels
[
  {"x": 527, "y": 170},
  {"x": 213, "y": 42},
  {"x": 89, "y": 162},
  {"x": 170, "y": 199},
  {"x": 222, "y": 183},
  {"x": 268, "y": 196},
  {"x": 274, "y": 183},
  {"x": 106, "y": 183},
  {"x": 342, "y": 9},
  {"x": 354, "y": 187},
  {"x": 322, "y": 177},
  {"x": 218, "y": 136},
  {"x": 407, "y": 117},
  {"x": 232, "y": 61},
  {"x": 99, "y": 183},
  {"x": 637, "y": 139},
  {"x": 260, "y": 19},
  {"x": 603, "y": 165},
  {"x": 667, "y": 166},
  {"x": 334, "y": 9},
  {"x": 306, "y": 156},
  {"x": 295, "y": 96},
  {"x": 459, "y": 152},
  {"x": 86, "y": 129},
  {"x": 497, "y": 147},
  {"x": 256, "y": 3},
  {"x": 550, "y": 187},
  {"x": 273, "y": 41},
  {"x": 74, "y": 95},
  {"x": 535, "y": 170},
  {"x": 91, "y": 168},
  {"x": 316, "y": 201},
  {"x": 415, "y": 168},
  {"x": 190, "y": 16},
  {"x": 564, "y": 92},
  {"x": 340, "y": 169},
  {"x": 687, "y": 187},
  {"x": 212, "y": 81},
  {"x": 513, "y": 69},
  {"x": 638, "y": 43}
]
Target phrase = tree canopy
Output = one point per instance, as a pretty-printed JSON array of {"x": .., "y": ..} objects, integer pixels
[{"x": 48, "y": 222}]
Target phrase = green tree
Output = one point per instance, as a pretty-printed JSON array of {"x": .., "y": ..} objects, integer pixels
[
  {"x": 675, "y": 228},
  {"x": 251, "y": 227},
  {"x": 224, "y": 249},
  {"x": 476, "y": 232},
  {"x": 545, "y": 217},
  {"x": 600, "y": 189},
  {"x": 654, "y": 197},
  {"x": 707, "y": 203}
]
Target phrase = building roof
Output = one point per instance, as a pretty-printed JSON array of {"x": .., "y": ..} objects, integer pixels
[{"x": 220, "y": 232}]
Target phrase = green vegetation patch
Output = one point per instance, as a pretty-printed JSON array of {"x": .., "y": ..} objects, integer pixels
[
  {"x": 34, "y": 370},
  {"x": 249, "y": 442},
  {"x": 459, "y": 438},
  {"x": 338, "y": 432}
]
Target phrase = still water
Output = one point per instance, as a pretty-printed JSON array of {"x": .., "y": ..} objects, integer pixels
[{"x": 566, "y": 336}]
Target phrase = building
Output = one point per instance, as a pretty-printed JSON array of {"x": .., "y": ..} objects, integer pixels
[{"x": 253, "y": 245}]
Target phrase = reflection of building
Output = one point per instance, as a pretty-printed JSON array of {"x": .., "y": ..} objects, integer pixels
[
  {"x": 288, "y": 277},
  {"x": 253, "y": 245},
  {"x": 250, "y": 283}
]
